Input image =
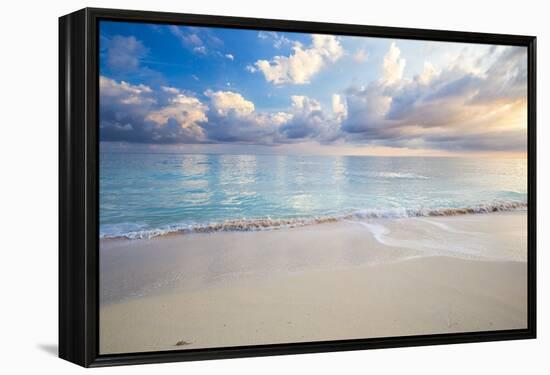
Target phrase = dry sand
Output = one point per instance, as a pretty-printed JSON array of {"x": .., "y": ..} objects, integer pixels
[{"x": 332, "y": 281}]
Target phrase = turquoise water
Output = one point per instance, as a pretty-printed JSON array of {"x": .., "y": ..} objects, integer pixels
[{"x": 144, "y": 195}]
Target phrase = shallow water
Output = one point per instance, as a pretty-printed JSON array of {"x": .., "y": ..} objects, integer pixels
[{"x": 143, "y": 195}]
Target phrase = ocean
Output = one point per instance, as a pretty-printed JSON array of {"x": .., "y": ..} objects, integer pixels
[{"x": 146, "y": 195}]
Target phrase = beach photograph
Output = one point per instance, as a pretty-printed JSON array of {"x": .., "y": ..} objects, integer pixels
[{"x": 261, "y": 187}]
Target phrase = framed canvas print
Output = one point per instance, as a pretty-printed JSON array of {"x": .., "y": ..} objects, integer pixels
[{"x": 243, "y": 187}]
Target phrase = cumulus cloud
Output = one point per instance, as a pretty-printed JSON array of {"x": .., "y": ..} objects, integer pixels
[
  {"x": 232, "y": 118},
  {"x": 367, "y": 107},
  {"x": 226, "y": 102},
  {"x": 469, "y": 105},
  {"x": 428, "y": 73},
  {"x": 137, "y": 113},
  {"x": 506, "y": 78},
  {"x": 229, "y": 56},
  {"x": 303, "y": 63},
  {"x": 339, "y": 107},
  {"x": 183, "y": 111},
  {"x": 308, "y": 121},
  {"x": 393, "y": 65},
  {"x": 124, "y": 92},
  {"x": 476, "y": 102}
]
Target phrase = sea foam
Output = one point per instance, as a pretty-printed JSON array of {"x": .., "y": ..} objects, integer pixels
[{"x": 136, "y": 231}]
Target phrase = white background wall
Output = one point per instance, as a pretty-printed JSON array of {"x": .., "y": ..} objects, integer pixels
[{"x": 28, "y": 184}]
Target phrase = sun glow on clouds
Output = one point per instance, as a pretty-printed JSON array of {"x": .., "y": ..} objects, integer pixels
[
  {"x": 225, "y": 102},
  {"x": 393, "y": 66},
  {"x": 472, "y": 103}
]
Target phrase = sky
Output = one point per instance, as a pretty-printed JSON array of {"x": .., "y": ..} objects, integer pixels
[{"x": 168, "y": 88}]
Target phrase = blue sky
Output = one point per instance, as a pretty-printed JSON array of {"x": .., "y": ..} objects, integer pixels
[{"x": 194, "y": 89}]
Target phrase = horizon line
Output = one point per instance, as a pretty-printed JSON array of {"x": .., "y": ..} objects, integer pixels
[{"x": 519, "y": 155}]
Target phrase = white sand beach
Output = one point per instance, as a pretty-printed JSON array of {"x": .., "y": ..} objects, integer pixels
[{"x": 343, "y": 280}]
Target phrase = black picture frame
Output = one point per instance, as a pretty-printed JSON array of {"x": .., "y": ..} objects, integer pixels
[{"x": 78, "y": 186}]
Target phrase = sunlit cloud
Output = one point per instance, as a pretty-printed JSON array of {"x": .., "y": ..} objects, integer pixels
[
  {"x": 303, "y": 63},
  {"x": 458, "y": 107},
  {"x": 465, "y": 100}
]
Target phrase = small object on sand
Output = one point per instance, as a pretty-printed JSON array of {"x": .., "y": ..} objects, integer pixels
[{"x": 182, "y": 342}]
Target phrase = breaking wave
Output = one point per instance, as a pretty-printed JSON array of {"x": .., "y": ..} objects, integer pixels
[{"x": 136, "y": 231}]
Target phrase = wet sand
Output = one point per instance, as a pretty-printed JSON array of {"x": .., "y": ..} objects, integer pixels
[{"x": 350, "y": 279}]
